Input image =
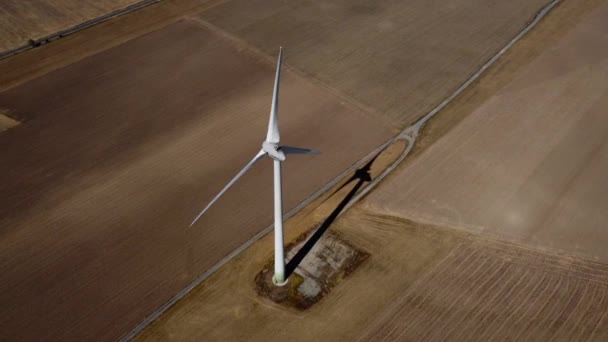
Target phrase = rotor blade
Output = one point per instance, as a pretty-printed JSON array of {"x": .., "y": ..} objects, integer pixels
[
  {"x": 273, "y": 124},
  {"x": 241, "y": 173},
  {"x": 297, "y": 150}
]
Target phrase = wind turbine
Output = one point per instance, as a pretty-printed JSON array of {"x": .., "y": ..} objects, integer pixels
[{"x": 277, "y": 152}]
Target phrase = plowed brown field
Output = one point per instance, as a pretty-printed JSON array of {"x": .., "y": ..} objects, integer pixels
[
  {"x": 115, "y": 156},
  {"x": 495, "y": 292}
]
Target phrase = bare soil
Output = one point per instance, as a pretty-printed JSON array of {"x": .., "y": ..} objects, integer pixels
[
  {"x": 487, "y": 291},
  {"x": 119, "y": 152},
  {"x": 30, "y": 64},
  {"x": 425, "y": 282},
  {"x": 122, "y": 144},
  {"x": 226, "y": 307},
  {"x": 399, "y": 59},
  {"x": 528, "y": 163},
  {"x": 420, "y": 283},
  {"x": 564, "y": 18}
]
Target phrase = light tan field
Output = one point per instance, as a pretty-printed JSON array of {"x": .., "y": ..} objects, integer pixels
[
  {"x": 487, "y": 291},
  {"x": 21, "y": 20},
  {"x": 399, "y": 59},
  {"x": 419, "y": 284},
  {"x": 528, "y": 164},
  {"x": 226, "y": 307}
]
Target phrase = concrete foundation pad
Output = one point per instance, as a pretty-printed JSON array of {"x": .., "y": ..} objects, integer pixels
[{"x": 330, "y": 260}]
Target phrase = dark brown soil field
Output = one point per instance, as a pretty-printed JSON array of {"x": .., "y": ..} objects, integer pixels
[
  {"x": 398, "y": 58},
  {"x": 21, "y": 20},
  {"x": 115, "y": 156}
]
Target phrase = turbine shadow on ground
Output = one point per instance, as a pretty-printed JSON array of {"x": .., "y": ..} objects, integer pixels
[{"x": 362, "y": 175}]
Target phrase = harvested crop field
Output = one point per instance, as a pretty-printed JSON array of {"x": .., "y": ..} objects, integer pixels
[
  {"x": 397, "y": 58},
  {"x": 399, "y": 254},
  {"x": 21, "y": 20},
  {"x": 486, "y": 291},
  {"x": 419, "y": 283},
  {"x": 529, "y": 163},
  {"x": 117, "y": 154}
]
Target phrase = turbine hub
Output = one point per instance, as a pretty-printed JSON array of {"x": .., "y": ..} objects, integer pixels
[{"x": 273, "y": 150}]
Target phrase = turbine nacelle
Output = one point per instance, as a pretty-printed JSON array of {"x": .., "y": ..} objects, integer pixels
[{"x": 273, "y": 150}]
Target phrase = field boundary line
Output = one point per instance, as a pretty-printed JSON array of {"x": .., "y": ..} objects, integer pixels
[{"x": 270, "y": 59}]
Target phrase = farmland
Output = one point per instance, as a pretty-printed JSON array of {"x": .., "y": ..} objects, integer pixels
[
  {"x": 490, "y": 291},
  {"x": 121, "y": 193},
  {"x": 526, "y": 164},
  {"x": 420, "y": 283},
  {"x": 436, "y": 270},
  {"x": 124, "y": 131}
]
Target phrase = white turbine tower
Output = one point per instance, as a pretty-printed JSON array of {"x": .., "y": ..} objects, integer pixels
[{"x": 272, "y": 149}]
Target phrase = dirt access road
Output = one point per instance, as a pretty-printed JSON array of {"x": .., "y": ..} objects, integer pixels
[{"x": 398, "y": 59}]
